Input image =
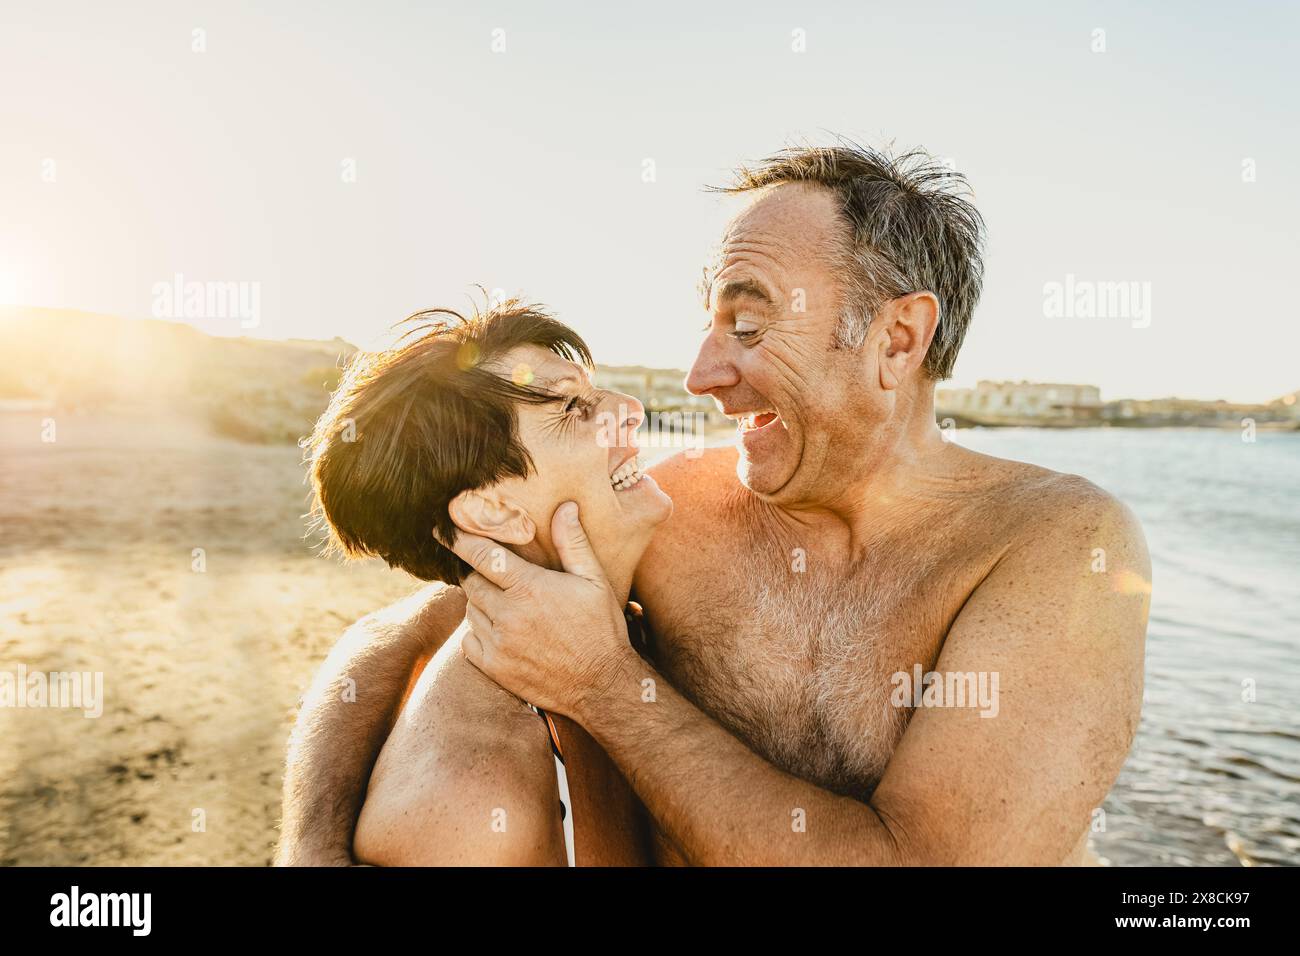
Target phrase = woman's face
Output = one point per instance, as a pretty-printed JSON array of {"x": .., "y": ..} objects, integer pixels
[{"x": 584, "y": 449}]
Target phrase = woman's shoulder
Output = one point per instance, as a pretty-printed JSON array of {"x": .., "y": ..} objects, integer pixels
[{"x": 465, "y": 778}]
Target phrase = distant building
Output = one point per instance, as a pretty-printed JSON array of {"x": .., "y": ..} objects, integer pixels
[
  {"x": 1038, "y": 402},
  {"x": 1186, "y": 412},
  {"x": 676, "y": 418},
  {"x": 1057, "y": 405},
  {"x": 659, "y": 389}
]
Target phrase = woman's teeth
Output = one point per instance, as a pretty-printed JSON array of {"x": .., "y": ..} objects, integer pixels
[{"x": 627, "y": 474}]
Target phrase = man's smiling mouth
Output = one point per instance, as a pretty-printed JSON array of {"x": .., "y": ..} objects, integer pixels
[{"x": 754, "y": 421}]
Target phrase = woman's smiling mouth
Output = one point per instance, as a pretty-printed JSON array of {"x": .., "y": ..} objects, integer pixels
[{"x": 627, "y": 474}]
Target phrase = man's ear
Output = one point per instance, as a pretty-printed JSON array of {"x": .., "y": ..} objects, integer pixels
[
  {"x": 905, "y": 334},
  {"x": 489, "y": 514}
]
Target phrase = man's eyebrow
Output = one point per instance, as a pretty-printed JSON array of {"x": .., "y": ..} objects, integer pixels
[{"x": 732, "y": 289}]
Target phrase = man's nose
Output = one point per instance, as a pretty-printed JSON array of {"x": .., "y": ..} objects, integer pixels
[{"x": 711, "y": 370}]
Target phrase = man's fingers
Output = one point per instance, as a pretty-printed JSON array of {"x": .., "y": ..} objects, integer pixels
[
  {"x": 494, "y": 561},
  {"x": 482, "y": 594},
  {"x": 571, "y": 542},
  {"x": 472, "y": 649},
  {"x": 473, "y": 646},
  {"x": 480, "y": 622}
]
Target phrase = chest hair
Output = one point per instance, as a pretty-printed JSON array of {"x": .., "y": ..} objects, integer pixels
[{"x": 797, "y": 663}]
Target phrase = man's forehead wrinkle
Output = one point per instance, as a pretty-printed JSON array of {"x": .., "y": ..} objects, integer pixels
[
  {"x": 775, "y": 258},
  {"x": 712, "y": 266},
  {"x": 778, "y": 232},
  {"x": 757, "y": 261}
]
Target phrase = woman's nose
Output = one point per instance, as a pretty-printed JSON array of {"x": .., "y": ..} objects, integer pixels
[
  {"x": 620, "y": 416},
  {"x": 631, "y": 412}
]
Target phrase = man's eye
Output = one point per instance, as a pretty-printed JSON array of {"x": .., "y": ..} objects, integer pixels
[{"x": 744, "y": 329}]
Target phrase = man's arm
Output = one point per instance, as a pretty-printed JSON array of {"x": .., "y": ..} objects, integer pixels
[
  {"x": 347, "y": 714},
  {"x": 1065, "y": 642}
]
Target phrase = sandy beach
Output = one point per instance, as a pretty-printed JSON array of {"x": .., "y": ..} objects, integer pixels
[{"x": 201, "y": 669}]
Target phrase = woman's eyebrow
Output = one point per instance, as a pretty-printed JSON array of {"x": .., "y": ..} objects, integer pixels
[
  {"x": 547, "y": 389},
  {"x": 551, "y": 383}
]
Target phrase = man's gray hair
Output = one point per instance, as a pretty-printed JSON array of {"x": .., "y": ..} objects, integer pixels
[{"x": 909, "y": 227}]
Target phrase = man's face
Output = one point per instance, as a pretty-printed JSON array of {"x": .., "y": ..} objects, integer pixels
[{"x": 805, "y": 407}]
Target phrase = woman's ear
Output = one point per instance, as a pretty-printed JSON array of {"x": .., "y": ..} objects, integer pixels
[
  {"x": 489, "y": 514},
  {"x": 908, "y": 328}
]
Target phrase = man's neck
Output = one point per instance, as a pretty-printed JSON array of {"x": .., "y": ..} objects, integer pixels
[{"x": 907, "y": 457}]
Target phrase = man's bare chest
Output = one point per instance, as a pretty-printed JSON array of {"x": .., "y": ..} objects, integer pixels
[{"x": 800, "y": 666}]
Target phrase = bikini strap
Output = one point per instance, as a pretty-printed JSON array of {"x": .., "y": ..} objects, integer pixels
[
  {"x": 555, "y": 734},
  {"x": 562, "y": 783},
  {"x": 638, "y": 635}
]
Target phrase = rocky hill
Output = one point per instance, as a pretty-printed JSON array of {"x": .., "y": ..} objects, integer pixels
[{"x": 249, "y": 389}]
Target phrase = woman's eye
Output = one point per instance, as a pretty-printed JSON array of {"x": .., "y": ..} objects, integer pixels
[{"x": 578, "y": 403}]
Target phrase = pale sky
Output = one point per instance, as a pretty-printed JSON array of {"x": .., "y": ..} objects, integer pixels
[{"x": 127, "y": 157}]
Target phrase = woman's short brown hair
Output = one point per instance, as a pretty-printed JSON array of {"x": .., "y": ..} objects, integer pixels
[{"x": 410, "y": 428}]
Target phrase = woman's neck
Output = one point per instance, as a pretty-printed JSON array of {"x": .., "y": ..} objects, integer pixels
[
  {"x": 617, "y": 559},
  {"x": 621, "y": 583},
  {"x": 620, "y": 565}
]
